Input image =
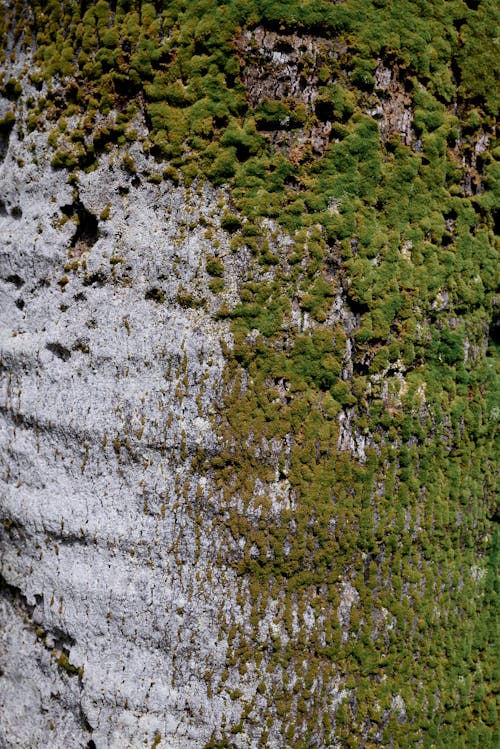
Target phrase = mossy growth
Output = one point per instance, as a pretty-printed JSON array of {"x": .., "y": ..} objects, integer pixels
[
  {"x": 153, "y": 294},
  {"x": 230, "y": 222},
  {"x": 64, "y": 663},
  {"x": 11, "y": 89},
  {"x": 215, "y": 267},
  {"x": 357, "y": 434},
  {"x": 156, "y": 740},
  {"x": 188, "y": 300},
  {"x": 7, "y": 123},
  {"x": 106, "y": 212}
]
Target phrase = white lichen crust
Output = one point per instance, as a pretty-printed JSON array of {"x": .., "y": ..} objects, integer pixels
[{"x": 107, "y": 389}]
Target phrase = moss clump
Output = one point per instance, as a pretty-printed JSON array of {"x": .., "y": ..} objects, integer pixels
[
  {"x": 189, "y": 301},
  {"x": 230, "y": 222},
  {"x": 153, "y": 294},
  {"x": 64, "y": 663},
  {"x": 64, "y": 159},
  {"x": 215, "y": 267},
  {"x": 129, "y": 164},
  {"x": 105, "y": 213},
  {"x": 7, "y": 123},
  {"x": 11, "y": 89}
]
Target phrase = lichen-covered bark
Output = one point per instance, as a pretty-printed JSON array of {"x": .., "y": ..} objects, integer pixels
[
  {"x": 106, "y": 397},
  {"x": 249, "y": 370}
]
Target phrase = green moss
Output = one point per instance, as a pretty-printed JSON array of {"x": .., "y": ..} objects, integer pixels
[
  {"x": 377, "y": 394},
  {"x": 187, "y": 300},
  {"x": 7, "y": 122},
  {"x": 216, "y": 285},
  {"x": 129, "y": 164},
  {"x": 230, "y": 222},
  {"x": 65, "y": 159},
  {"x": 64, "y": 663},
  {"x": 105, "y": 213},
  {"x": 153, "y": 294},
  {"x": 215, "y": 267},
  {"x": 11, "y": 89}
]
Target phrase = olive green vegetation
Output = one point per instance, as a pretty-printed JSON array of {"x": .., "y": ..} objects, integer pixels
[{"x": 383, "y": 459}]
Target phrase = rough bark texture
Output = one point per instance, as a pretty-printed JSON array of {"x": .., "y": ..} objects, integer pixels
[{"x": 248, "y": 376}]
